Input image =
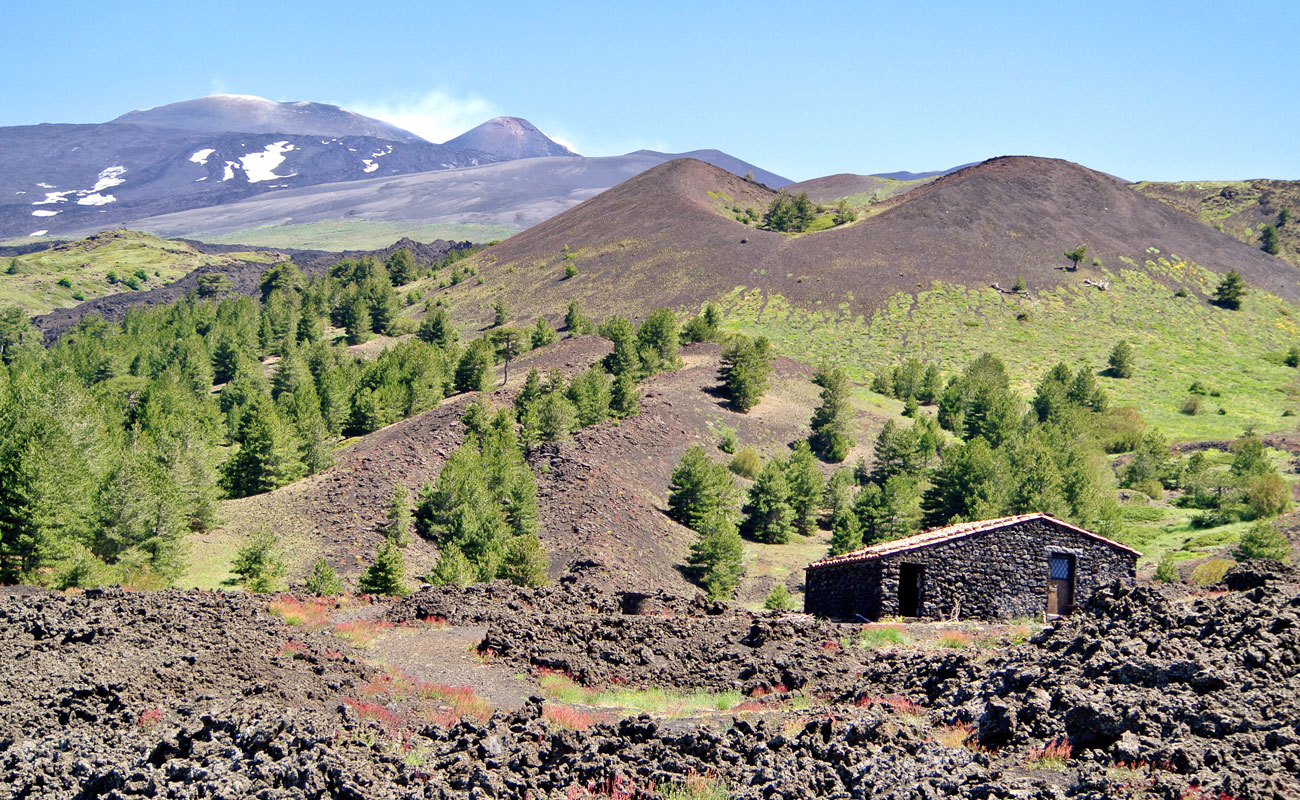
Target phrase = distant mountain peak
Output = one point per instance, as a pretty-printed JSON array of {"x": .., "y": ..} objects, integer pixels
[
  {"x": 509, "y": 138},
  {"x": 244, "y": 113}
]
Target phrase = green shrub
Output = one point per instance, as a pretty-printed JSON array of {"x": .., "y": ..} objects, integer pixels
[
  {"x": 570, "y": 270},
  {"x": 1191, "y": 406},
  {"x": 778, "y": 599},
  {"x": 1210, "y": 572},
  {"x": 65, "y": 283},
  {"x": 727, "y": 439},
  {"x": 259, "y": 563},
  {"x": 1263, "y": 540},
  {"x": 387, "y": 575},
  {"x": 1166, "y": 571},
  {"x": 323, "y": 580},
  {"x": 747, "y": 463}
]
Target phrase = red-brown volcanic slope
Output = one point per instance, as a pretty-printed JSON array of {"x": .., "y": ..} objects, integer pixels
[
  {"x": 660, "y": 239},
  {"x": 601, "y": 495},
  {"x": 833, "y": 187}
]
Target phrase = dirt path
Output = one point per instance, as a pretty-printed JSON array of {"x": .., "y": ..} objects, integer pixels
[{"x": 447, "y": 655}]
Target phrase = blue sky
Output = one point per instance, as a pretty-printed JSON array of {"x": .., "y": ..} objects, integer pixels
[{"x": 1158, "y": 91}]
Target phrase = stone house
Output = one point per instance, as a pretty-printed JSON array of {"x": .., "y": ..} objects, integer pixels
[{"x": 1029, "y": 565}]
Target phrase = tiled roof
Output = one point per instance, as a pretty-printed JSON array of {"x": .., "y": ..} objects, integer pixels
[{"x": 951, "y": 532}]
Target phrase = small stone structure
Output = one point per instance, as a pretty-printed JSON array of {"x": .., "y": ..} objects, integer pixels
[{"x": 1029, "y": 565}]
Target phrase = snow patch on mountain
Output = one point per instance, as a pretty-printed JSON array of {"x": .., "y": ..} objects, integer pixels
[
  {"x": 41, "y": 212},
  {"x": 96, "y": 199},
  {"x": 370, "y": 165},
  {"x": 229, "y": 171},
  {"x": 261, "y": 166},
  {"x": 54, "y": 197},
  {"x": 108, "y": 178},
  {"x": 38, "y": 233},
  {"x": 201, "y": 156}
]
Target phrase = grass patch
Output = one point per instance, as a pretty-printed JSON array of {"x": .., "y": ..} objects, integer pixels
[
  {"x": 361, "y": 632},
  {"x": 50, "y": 279},
  {"x": 354, "y": 234},
  {"x": 1178, "y": 340},
  {"x": 881, "y": 635},
  {"x": 663, "y": 702},
  {"x": 1053, "y": 755},
  {"x": 312, "y": 613}
]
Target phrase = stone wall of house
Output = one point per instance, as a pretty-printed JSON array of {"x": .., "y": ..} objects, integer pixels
[{"x": 997, "y": 574}]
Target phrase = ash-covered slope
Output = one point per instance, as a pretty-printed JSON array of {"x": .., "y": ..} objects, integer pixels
[
  {"x": 516, "y": 194},
  {"x": 224, "y": 113},
  {"x": 82, "y": 178},
  {"x": 663, "y": 237},
  {"x": 509, "y": 138}
]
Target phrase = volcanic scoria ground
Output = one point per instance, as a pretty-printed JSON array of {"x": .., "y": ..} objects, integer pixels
[{"x": 1143, "y": 693}]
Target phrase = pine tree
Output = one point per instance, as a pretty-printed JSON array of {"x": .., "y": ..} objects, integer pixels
[
  {"x": 397, "y": 525},
  {"x": 1085, "y": 393},
  {"x": 555, "y": 417},
  {"x": 699, "y": 488},
  {"x": 574, "y": 322},
  {"x": 472, "y": 370},
  {"x": 437, "y": 329},
  {"x": 718, "y": 555},
  {"x": 746, "y": 366},
  {"x": 532, "y": 390},
  {"x": 1268, "y": 240},
  {"x": 625, "y": 397},
  {"x": 1230, "y": 290},
  {"x": 624, "y": 358},
  {"x": 225, "y": 359},
  {"x": 260, "y": 562},
  {"x": 1121, "y": 360},
  {"x": 805, "y": 488},
  {"x": 968, "y": 485},
  {"x": 387, "y": 574},
  {"x": 401, "y": 267},
  {"x": 523, "y": 562},
  {"x": 657, "y": 341},
  {"x": 1077, "y": 255},
  {"x": 846, "y": 533},
  {"x": 452, "y": 568},
  {"x": 832, "y": 422},
  {"x": 382, "y": 304},
  {"x": 543, "y": 334},
  {"x": 768, "y": 515},
  {"x": 356, "y": 319},
  {"x": 500, "y": 313},
  {"x": 590, "y": 395},
  {"x": 323, "y": 580},
  {"x": 268, "y": 456},
  {"x": 1262, "y": 540}
]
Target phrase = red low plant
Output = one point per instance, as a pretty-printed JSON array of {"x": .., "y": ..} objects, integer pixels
[
  {"x": 892, "y": 702},
  {"x": 462, "y": 699},
  {"x": 391, "y": 720},
  {"x": 568, "y": 717},
  {"x": 149, "y": 718},
  {"x": 1053, "y": 754},
  {"x": 312, "y": 613},
  {"x": 362, "y": 632}
]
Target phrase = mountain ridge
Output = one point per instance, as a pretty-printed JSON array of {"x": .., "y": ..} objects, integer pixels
[{"x": 237, "y": 113}]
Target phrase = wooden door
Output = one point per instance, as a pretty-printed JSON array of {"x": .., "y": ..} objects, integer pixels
[{"x": 1060, "y": 585}]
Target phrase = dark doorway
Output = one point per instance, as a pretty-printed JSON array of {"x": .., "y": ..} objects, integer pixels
[
  {"x": 1060, "y": 585},
  {"x": 910, "y": 579}
]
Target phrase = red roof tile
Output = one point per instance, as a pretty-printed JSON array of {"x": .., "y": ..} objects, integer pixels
[{"x": 951, "y": 532}]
